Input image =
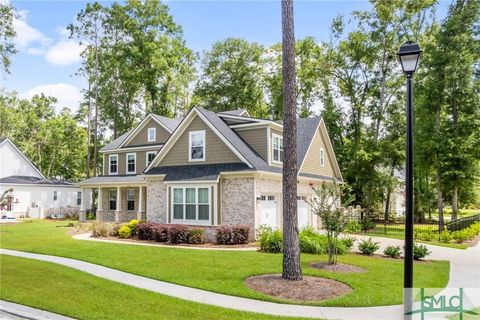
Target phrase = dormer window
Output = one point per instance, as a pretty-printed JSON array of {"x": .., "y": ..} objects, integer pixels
[
  {"x": 196, "y": 150},
  {"x": 152, "y": 134},
  {"x": 131, "y": 157},
  {"x": 277, "y": 146},
  {"x": 322, "y": 157},
  {"x": 113, "y": 164}
]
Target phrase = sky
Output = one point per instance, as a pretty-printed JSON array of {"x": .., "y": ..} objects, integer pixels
[{"x": 48, "y": 60}]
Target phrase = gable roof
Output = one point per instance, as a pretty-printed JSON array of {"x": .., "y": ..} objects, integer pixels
[
  {"x": 202, "y": 172},
  {"x": 33, "y": 180},
  {"x": 117, "y": 142},
  {"x": 238, "y": 112},
  {"x": 306, "y": 128},
  {"x": 6, "y": 140},
  {"x": 170, "y": 123}
]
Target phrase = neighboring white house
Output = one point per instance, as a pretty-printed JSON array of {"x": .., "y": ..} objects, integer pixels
[{"x": 34, "y": 196}]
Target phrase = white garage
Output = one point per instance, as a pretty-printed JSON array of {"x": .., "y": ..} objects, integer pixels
[{"x": 269, "y": 209}]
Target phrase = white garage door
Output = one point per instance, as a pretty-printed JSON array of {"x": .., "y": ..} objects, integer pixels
[
  {"x": 302, "y": 212},
  {"x": 268, "y": 211}
]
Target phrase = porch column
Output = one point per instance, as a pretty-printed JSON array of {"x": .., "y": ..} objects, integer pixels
[
  {"x": 140, "y": 203},
  {"x": 119, "y": 205},
  {"x": 82, "y": 214},
  {"x": 99, "y": 204}
]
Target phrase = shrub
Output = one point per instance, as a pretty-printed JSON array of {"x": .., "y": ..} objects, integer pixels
[
  {"x": 231, "y": 235},
  {"x": 367, "y": 224},
  {"x": 272, "y": 242},
  {"x": 125, "y": 232},
  {"x": 392, "y": 251},
  {"x": 100, "y": 229},
  {"x": 133, "y": 226},
  {"x": 445, "y": 236},
  {"x": 476, "y": 228},
  {"x": 197, "y": 236},
  {"x": 353, "y": 227},
  {"x": 160, "y": 232},
  {"x": 368, "y": 247},
  {"x": 114, "y": 230},
  {"x": 314, "y": 245},
  {"x": 145, "y": 231},
  {"x": 420, "y": 251},
  {"x": 348, "y": 242},
  {"x": 260, "y": 230},
  {"x": 177, "y": 233},
  {"x": 459, "y": 236},
  {"x": 424, "y": 235}
]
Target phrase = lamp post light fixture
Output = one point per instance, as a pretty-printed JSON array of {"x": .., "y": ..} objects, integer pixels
[{"x": 409, "y": 55}]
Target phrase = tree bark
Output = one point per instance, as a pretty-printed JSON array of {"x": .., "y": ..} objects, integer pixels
[
  {"x": 455, "y": 202},
  {"x": 439, "y": 202},
  {"x": 89, "y": 151},
  {"x": 291, "y": 250}
]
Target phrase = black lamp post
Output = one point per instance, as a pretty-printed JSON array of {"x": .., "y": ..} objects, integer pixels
[{"x": 409, "y": 55}]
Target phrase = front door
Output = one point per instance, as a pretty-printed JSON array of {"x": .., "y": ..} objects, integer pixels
[{"x": 268, "y": 211}]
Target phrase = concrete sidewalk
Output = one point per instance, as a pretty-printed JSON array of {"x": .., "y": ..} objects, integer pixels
[
  {"x": 14, "y": 311},
  {"x": 464, "y": 272}
]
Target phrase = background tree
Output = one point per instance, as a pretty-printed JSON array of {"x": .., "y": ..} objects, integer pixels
[
  {"x": 291, "y": 248},
  {"x": 232, "y": 74},
  {"x": 7, "y": 33}
]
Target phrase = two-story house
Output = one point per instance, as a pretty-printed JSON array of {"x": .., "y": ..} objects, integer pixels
[{"x": 210, "y": 169}]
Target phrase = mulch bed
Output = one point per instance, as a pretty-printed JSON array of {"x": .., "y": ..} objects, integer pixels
[
  {"x": 339, "y": 267},
  {"x": 307, "y": 289}
]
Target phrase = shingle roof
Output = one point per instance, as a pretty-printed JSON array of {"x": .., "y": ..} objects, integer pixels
[
  {"x": 306, "y": 128},
  {"x": 201, "y": 172},
  {"x": 2, "y": 139},
  {"x": 237, "y": 112},
  {"x": 33, "y": 180},
  {"x": 113, "y": 179},
  {"x": 168, "y": 122},
  {"x": 117, "y": 142}
]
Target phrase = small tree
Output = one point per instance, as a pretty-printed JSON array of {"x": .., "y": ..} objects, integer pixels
[{"x": 335, "y": 216}]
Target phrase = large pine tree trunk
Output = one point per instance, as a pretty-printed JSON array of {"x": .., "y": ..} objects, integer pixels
[
  {"x": 455, "y": 202},
  {"x": 439, "y": 202},
  {"x": 291, "y": 250}
]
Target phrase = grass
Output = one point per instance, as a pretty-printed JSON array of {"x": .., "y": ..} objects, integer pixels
[
  {"x": 76, "y": 294},
  {"x": 396, "y": 232},
  {"x": 223, "y": 271}
]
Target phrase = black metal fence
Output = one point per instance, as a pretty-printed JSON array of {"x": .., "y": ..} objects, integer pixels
[{"x": 462, "y": 223}]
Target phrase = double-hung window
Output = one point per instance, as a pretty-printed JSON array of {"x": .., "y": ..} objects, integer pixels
[
  {"x": 191, "y": 204},
  {"x": 55, "y": 196},
  {"x": 131, "y": 157},
  {"x": 79, "y": 198},
  {"x": 151, "y": 134},
  {"x": 113, "y": 164},
  {"x": 196, "y": 150},
  {"x": 130, "y": 199},
  {"x": 149, "y": 156},
  {"x": 322, "y": 157},
  {"x": 277, "y": 146},
  {"x": 112, "y": 197}
]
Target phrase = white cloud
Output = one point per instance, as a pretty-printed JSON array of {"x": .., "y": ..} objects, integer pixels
[
  {"x": 64, "y": 52},
  {"x": 67, "y": 95},
  {"x": 27, "y": 35}
]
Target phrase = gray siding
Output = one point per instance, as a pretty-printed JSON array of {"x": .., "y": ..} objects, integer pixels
[
  {"x": 216, "y": 150},
  {"x": 140, "y": 164},
  {"x": 141, "y": 137},
  {"x": 312, "y": 159},
  {"x": 257, "y": 139}
]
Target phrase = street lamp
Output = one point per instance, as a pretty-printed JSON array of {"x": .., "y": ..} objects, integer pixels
[{"x": 409, "y": 55}]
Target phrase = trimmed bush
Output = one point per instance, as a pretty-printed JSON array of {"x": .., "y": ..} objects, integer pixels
[
  {"x": 368, "y": 247},
  {"x": 133, "y": 226},
  {"x": 459, "y": 236},
  {"x": 177, "y": 233},
  {"x": 272, "y": 242},
  {"x": 231, "y": 235},
  {"x": 125, "y": 232},
  {"x": 446, "y": 236},
  {"x": 392, "y": 251},
  {"x": 160, "y": 232},
  {"x": 420, "y": 251},
  {"x": 197, "y": 236},
  {"x": 145, "y": 231},
  {"x": 424, "y": 235}
]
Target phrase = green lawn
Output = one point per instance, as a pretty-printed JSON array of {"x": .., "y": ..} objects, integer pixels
[
  {"x": 79, "y": 295},
  {"x": 222, "y": 271}
]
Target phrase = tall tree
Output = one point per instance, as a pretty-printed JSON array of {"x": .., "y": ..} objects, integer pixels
[
  {"x": 291, "y": 251},
  {"x": 7, "y": 33},
  {"x": 232, "y": 73}
]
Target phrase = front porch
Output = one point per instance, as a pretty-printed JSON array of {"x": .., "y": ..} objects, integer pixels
[{"x": 114, "y": 202}]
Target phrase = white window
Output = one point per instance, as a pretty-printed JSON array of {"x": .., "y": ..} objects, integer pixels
[
  {"x": 131, "y": 157},
  {"x": 130, "y": 199},
  {"x": 277, "y": 146},
  {"x": 55, "y": 196},
  {"x": 149, "y": 156},
  {"x": 113, "y": 164},
  {"x": 191, "y": 204},
  {"x": 112, "y": 197},
  {"x": 322, "y": 157},
  {"x": 196, "y": 150},
  {"x": 79, "y": 198},
  {"x": 152, "y": 134}
]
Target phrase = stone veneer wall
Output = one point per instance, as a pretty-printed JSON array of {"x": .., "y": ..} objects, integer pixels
[
  {"x": 156, "y": 201},
  {"x": 238, "y": 202}
]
